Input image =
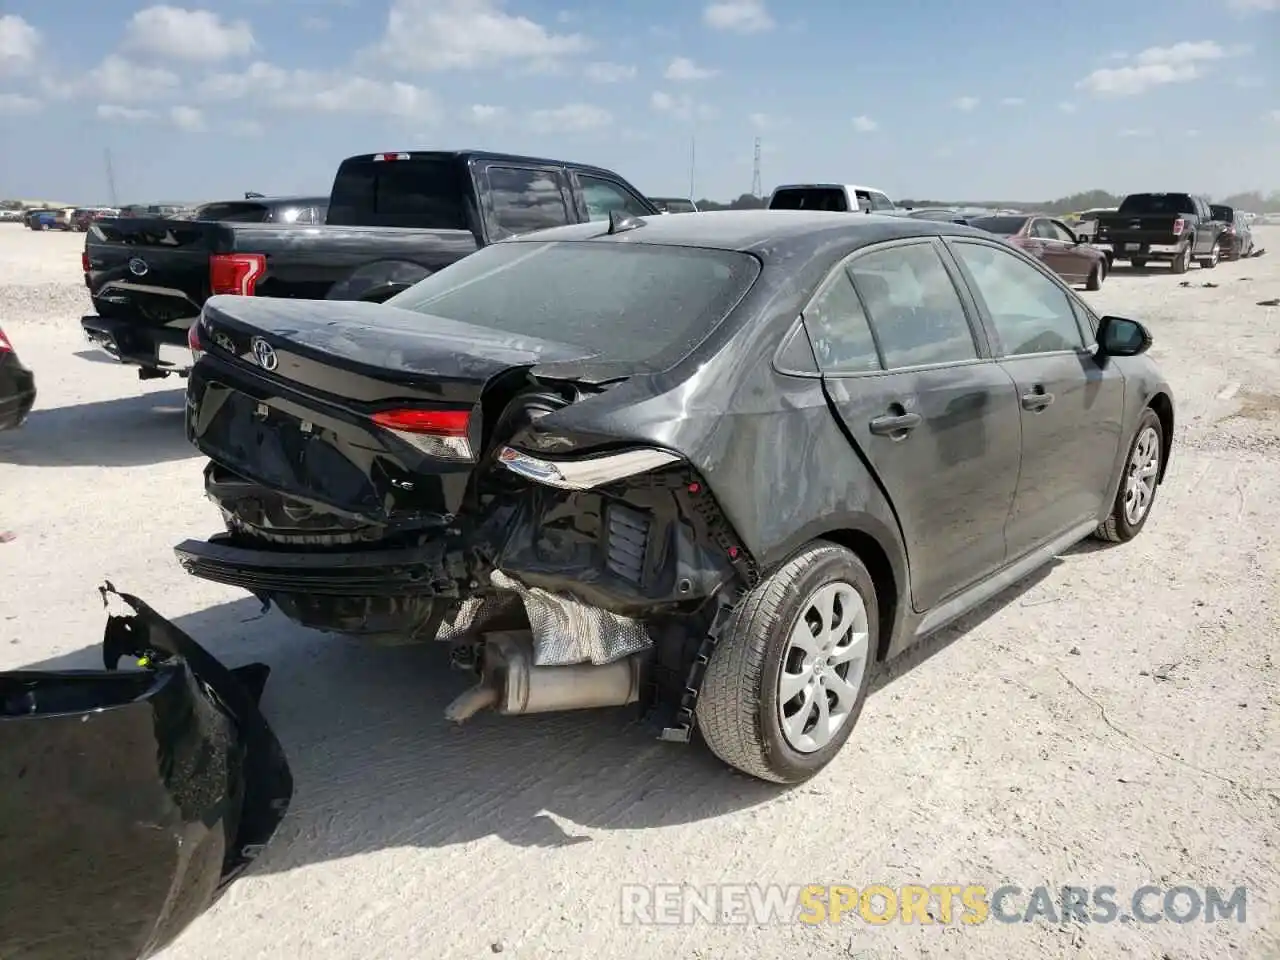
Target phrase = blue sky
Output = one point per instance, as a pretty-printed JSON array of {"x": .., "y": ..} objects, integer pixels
[{"x": 991, "y": 99}]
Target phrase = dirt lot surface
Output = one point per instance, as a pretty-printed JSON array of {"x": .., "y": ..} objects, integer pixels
[{"x": 1112, "y": 721}]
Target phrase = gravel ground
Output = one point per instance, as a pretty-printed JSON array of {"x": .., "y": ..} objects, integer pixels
[{"x": 1113, "y": 720}]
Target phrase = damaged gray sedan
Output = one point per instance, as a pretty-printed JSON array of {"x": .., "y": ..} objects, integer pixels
[{"x": 721, "y": 465}]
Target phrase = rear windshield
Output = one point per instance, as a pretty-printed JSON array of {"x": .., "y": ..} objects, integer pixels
[
  {"x": 630, "y": 303},
  {"x": 1004, "y": 226},
  {"x": 1157, "y": 203},
  {"x": 1219, "y": 212},
  {"x": 810, "y": 198},
  {"x": 423, "y": 192},
  {"x": 239, "y": 212}
]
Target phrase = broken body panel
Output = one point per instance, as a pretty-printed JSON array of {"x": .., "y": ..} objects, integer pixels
[{"x": 130, "y": 799}]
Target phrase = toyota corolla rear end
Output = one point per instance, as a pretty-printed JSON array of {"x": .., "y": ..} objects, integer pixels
[
  {"x": 465, "y": 459},
  {"x": 17, "y": 386}
]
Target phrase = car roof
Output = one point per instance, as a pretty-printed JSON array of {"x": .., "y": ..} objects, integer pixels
[
  {"x": 825, "y": 186},
  {"x": 771, "y": 235},
  {"x": 470, "y": 155}
]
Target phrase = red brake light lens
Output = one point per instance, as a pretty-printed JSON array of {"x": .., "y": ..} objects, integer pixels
[
  {"x": 84, "y": 262},
  {"x": 193, "y": 341},
  {"x": 444, "y": 434},
  {"x": 5, "y": 345},
  {"x": 1178, "y": 226},
  {"x": 236, "y": 274}
]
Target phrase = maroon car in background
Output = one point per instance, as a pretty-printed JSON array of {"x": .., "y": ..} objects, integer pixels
[{"x": 1052, "y": 242}]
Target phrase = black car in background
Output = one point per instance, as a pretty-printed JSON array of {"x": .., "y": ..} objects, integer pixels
[
  {"x": 17, "y": 386},
  {"x": 725, "y": 464},
  {"x": 1237, "y": 233}
]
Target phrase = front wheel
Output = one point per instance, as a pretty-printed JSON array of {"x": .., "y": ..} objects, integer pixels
[
  {"x": 1096, "y": 276},
  {"x": 1138, "y": 486},
  {"x": 788, "y": 677}
]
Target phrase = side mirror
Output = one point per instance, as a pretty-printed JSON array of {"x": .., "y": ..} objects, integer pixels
[{"x": 1118, "y": 337}]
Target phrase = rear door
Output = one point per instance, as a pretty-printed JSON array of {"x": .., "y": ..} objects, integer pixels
[
  {"x": 905, "y": 367},
  {"x": 1071, "y": 407}
]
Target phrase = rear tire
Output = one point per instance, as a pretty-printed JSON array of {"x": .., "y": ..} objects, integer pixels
[
  {"x": 1096, "y": 277},
  {"x": 1138, "y": 484},
  {"x": 1182, "y": 262},
  {"x": 809, "y": 630},
  {"x": 1215, "y": 257}
]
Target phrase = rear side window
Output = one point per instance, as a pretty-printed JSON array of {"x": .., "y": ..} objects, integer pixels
[
  {"x": 838, "y": 329},
  {"x": 810, "y": 198},
  {"x": 423, "y": 192},
  {"x": 525, "y": 199},
  {"x": 913, "y": 306},
  {"x": 633, "y": 303}
]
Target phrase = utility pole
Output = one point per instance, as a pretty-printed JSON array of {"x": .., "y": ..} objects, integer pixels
[
  {"x": 693, "y": 162},
  {"x": 755, "y": 171},
  {"x": 111, "y": 178}
]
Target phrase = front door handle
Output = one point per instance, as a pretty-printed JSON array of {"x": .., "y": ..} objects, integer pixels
[
  {"x": 891, "y": 424},
  {"x": 1036, "y": 400}
]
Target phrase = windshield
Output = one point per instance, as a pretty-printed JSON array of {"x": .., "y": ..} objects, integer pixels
[
  {"x": 631, "y": 303},
  {"x": 1004, "y": 226},
  {"x": 810, "y": 198},
  {"x": 1157, "y": 203},
  {"x": 424, "y": 192}
]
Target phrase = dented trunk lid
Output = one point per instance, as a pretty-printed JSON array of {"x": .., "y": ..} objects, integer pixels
[{"x": 362, "y": 410}]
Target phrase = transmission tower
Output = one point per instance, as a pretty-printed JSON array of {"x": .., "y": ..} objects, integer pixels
[{"x": 755, "y": 171}]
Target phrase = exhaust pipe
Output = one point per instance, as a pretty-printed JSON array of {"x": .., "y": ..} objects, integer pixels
[{"x": 511, "y": 684}]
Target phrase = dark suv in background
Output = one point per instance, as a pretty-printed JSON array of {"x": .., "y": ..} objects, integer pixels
[{"x": 1237, "y": 234}]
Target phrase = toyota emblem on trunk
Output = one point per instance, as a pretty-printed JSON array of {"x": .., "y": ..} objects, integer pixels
[
  {"x": 264, "y": 354},
  {"x": 138, "y": 267}
]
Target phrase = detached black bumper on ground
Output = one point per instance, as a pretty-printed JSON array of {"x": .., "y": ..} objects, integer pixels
[{"x": 129, "y": 800}]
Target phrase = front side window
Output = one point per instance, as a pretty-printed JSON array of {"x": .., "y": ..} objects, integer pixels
[
  {"x": 1031, "y": 313},
  {"x": 603, "y": 198},
  {"x": 838, "y": 328},
  {"x": 913, "y": 306},
  {"x": 525, "y": 199},
  {"x": 880, "y": 202}
]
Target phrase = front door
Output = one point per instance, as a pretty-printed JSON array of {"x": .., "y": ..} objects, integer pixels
[
  {"x": 1071, "y": 407},
  {"x": 1063, "y": 254},
  {"x": 936, "y": 421}
]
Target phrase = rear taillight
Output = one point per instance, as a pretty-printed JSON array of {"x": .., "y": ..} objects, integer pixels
[
  {"x": 383, "y": 157},
  {"x": 1230, "y": 230},
  {"x": 236, "y": 274},
  {"x": 438, "y": 433},
  {"x": 84, "y": 262},
  {"x": 1178, "y": 226},
  {"x": 5, "y": 345},
  {"x": 193, "y": 341}
]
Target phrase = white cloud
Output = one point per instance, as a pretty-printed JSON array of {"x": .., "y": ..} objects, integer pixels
[
  {"x": 119, "y": 80},
  {"x": 1154, "y": 67},
  {"x": 683, "y": 107},
  {"x": 19, "y": 44},
  {"x": 482, "y": 113},
  {"x": 178, "y": 34},
  {"x": 1253, "y": 6},
  {"x": 738, "y": 16},
  {"x": 571, "y": 118},
  {"x": 1136, "y": 132},
  {"x": 1248, "y": 83},
  {"x": 13, "y": 104},
  {"x": 187, "y": 118},
  {"x": 682, "y": 68},
  {"x": 246, "y": 128},
  {"x": 1066, "y": 106},
  {"x": 112, "y": 111},
  {"x": 604, "y": 72},
  {"x": 761, "y": 121},
  {"x": 315, "y": 24},
  {"x": 429, "y": 35},
  {"x": 1275, "y": 116},
  {"x": 966, "y": 103},
  {"x": 1013, "y": 101},
  {"x": 338, "y": 92},
  {"x": 864, "y": 124}
]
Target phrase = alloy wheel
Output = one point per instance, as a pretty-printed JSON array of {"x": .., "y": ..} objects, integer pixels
[
  {"x": 822, "y": 667},
  {"x": 1140, "y": 482}
]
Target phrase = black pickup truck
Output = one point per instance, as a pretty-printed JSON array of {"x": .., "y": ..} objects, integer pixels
[
  {"x": 1173, "y": 227},
  {"x": 393, "y": 218}
]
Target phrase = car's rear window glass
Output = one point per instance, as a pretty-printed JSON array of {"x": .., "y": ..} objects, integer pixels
[
  {"x": 237, "y": 212},
  {"x": 422, "y": 192},
  {"x": 630, "y": 303},
  {"x": 1157, "y": 203},
  {"x": 810, "y": 198}
]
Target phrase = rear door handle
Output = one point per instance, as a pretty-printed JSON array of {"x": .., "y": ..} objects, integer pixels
[
  {"x": 890, "y": 424},
  {"x": 1036, "y": 400}
]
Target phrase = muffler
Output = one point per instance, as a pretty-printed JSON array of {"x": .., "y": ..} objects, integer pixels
[{"x": 510, "y": 683}]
